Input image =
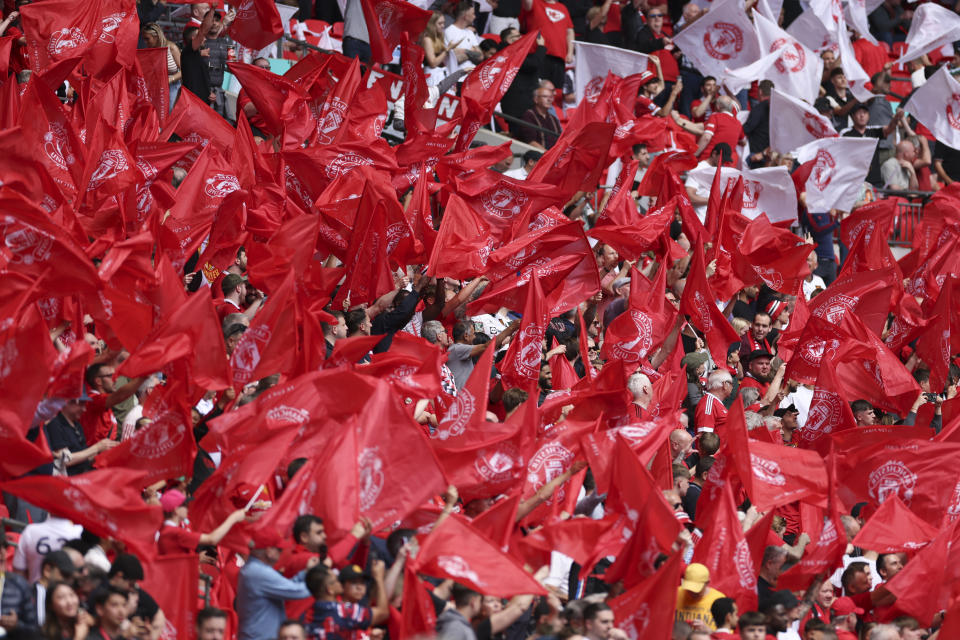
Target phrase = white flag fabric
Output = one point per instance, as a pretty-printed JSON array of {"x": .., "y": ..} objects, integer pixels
[
  {"x": 723, "y": 38},
  {"x": 855, "y": 13},
  {"x": 936, "y": 104},
  {"x": 828, "y": 12},
  {"x": 839, "y": 169},
  {"x": 798, "y": 70},
  {"x": 931, "y": 28},
  {"x": 809, "y": 30},
  {"x": 857, "y": 78},
  {"x": 794, "y": 123},
  {"x": 594, "y": 61},
  {"x": 769, "y": 190}
]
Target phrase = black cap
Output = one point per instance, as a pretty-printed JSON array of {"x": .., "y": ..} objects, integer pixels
[
  {"x": 822, "y": 105},
  {"x": 128, "y": 565},
  {"x": 62, "y": 561},
  {"x": 352, "y": 572},
  {"x": 785, "y": 410},
  {"x": 860, "y": 106},
  {"x": 758, "y": 353}
]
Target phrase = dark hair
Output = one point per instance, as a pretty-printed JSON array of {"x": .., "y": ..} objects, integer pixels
[
  {"x": 315, "y": 580},
  {"x": 460, "y": 329},
  {"x": 751, "y": 619},
  {"x": 921, "y": 375},
  {"x": 295, "y": 465},
  {"x": 303, "y": 523},
  {"x": 706, "y": 79},
  {"x": 209, "y": 613},
  {"x": 721, "y": 608},
  {"x": 882, "y": 561},
  {"x": 637, "y": 147},
  {"x": 504, "y": 33},
  {"x": 462, "y": 8},
  {"x": 703, "y": 466},
  {"x": 100, "y": 596},
  {"x": 93, "y": 371},
  {"x": 513, "y": 398},
  {"x": 51, "y": 626},
  {"x": 860, "y": 405},
  {"x": 726, "y": 154},
  {"x": 290, "y": 622},
  {"x": 488, "y": 45},
  {"x": 128, "y": 565},
  {"x": 463, "y": 595},
  {"x": 397, "y": 538},
  {"x": 852, "y": 570},
  {"x": 355, "y": 319},
  {"x": 594, "y": 609},
  {"x": 766, "y": 87}
]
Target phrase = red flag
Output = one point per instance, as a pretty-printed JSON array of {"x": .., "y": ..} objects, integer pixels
[
  {"x": 281, "y": 103},
  {"x": 781, "y": 475},
  {"x": 419, "y": 614},
  {"x": 574, "y": 163},
  {"x": 194, "y": 121},
  {"x": 646, "y": 610},
  {"x": 699, "y": 302},
  {"x": 487, "y": 83},
  {"x": 110, "y": 168},
  {"x": 153, "y": 70},
  {"x": 829, "y": 412},
  {"x": 105, "y": 502},
  {"x": 819, "y": 558},
  {"x": 521, "y": 365},
  {"x": 867, "y": 294},
  {"x": 576, "y": 537},
  {"x": 387, "y": 21},
  {"x": 634, "y": 239},
  {"x": 941, "y": 339},
  {"x": 725, "y": 552},
  {"x": 268, "y": 344},
  {"x": 192, "y": 332},
  {"x": 642, "y": 328},
  {"x": 368, "y": 273},
  {"x": 552, "y": 456},
  {"x": 874, "y": 218},
  {"x": 59, "y": 29},
  {"x": 172, "y": 581},
  {"x": 929, "y": 568},
  {"x": 893, "y": 527},
  {"x": 165, "y": 448},
  {"x": 644, "y": 438},
  {"x": 257, "y": 24},
  {"x": 466, "y": 415},
  {"x": 778, "y": 256},
  {"x": 457, "y": 551}
]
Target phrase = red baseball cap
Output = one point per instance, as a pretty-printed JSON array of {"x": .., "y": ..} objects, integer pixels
[{"x": 844, "y": 606}]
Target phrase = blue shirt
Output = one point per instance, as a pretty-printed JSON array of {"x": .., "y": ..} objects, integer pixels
[{"x": 261, "y": 593}]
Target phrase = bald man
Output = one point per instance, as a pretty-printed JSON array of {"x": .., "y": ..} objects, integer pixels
[
  {"x": 898, "y": 172},
  {"x": 681, "y": 443}
]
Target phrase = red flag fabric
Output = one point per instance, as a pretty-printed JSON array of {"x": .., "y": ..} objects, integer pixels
[
  {"x": 647, "y": 610},
  {"x": 783, "y": 474},
  {"x": 419, "y": 614},
  {"x": 466, "y": 415},
  {"x": 642, "y": 328},
  {"x": 699, "y": 302},
  {"x": 268, "y": 344},
  {"x": 867, "y": 294},
  {"x": 723, "y": 549},
  {"x": 874, "y": 218},
  {"x": 499, "y": 521},
  {"x": 59, "y": 29},
  {"x": 829, "y": 412},
  {"x": 778, "y": 256},
  {"x": 632, "y": 240},
  {"x": 106, "y": 502},
  {"x": 928, "y": 568},
  {"x": 521, "y": 366},
  {"x": 257, "y": 24},
  {"x": 172, "y": 581},
  {"x": 893, "y": 527},
  {"x": 387, "y": 21},
  {"x": 165, "y": 448},
  {"x": 457, "y": 551},
  {"x": 574, "y": 163},
  {"x": 463, "y": 242}
]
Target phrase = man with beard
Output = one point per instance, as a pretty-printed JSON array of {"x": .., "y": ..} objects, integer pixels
[{"x": 758, "y": 373}]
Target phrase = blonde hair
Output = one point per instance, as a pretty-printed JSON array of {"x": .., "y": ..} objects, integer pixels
[
  {"x": 155, "y": 29},
  {"x": 434, "y": 32},
  {"x": 739, "y": 325}
]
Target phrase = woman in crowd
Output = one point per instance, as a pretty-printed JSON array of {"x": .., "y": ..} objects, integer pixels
[
  {"x": 154, "y": 38},
  {"x": 65, "y": 619}
]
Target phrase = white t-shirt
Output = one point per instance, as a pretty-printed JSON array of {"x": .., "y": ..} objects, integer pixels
[
  {"x": 39, "y": 539},
  {"x": 467, "y": 39},
  {"x": 701, "y": 190},
  {"x": 520, "y": 173},
  {"x": 811, "y": 286}
]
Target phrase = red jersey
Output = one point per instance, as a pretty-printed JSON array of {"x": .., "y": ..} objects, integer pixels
[
  {"x": 725, "y": 128},
  {"x": 174, "y": 539},
  {"x": 552, "y": 20},
  {"x": 710, "y": 413},
  {"x": 706, "y": 114},
  {"x": 750, "y": 381},
  {"x": 97, "y": 419}
]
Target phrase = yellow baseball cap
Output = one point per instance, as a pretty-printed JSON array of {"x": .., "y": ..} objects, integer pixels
[{"x": 695, "y": 578}]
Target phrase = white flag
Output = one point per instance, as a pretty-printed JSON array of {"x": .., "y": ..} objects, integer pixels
[
  {"x": 855, "y": 13},
  {"x": 840, "y": 166},
  {"x": 794, "y": 123},
  {"x": 798, "y": 70},
  {"x": 937, "y": 105},
  {"x": 857, "y": 78},
  {"x": 809, "y": 30},
  {"x": 594, "y": 61},
  {"x": 723, "y": 38},
  {"x": 769, "y": 190},
  {"x": 931, "y": 28}
]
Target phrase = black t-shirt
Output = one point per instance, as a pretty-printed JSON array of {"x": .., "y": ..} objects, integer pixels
[
  {"x": 873, "y": 175},
  {"x": 62, "y": 435},
  {"x": 757, "y": 127},
  {"x": 949, "y": 158},
  {"x": 147, "y": 607},
  {"x": 508, "y": 9},
  {"x": 195, "y": 73},
  {"x": 745, "y": 310}
]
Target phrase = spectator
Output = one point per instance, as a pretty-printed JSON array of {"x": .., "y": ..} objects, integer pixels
[
  {"x": 777, "y": 610},
  {"x": 771, "y": 567},
  {"x": 110, "y": 606},
  {"x": 292, "y": 630},
  {"x": 176, "y": 536},
  {"x": 680, "y": 444},
  {"x": 844, "y": 618},
  {"x": 519, "y": 97},
  {"x": 711, "y": 412},
  {"x": 898, "y": 172},
  {"x": 757, "y": 127},
  {"x": 337, "y": 611},
  {"x": 217, "y": 47},
  {"x": 435, "y": 49},
  {"x": 454, "y": 623},
  {"x": 704, "y": 106},
  {"x": 356, "y": 40},
  {"x": 64, "y": 617},
  {"x": 528, "y": 162},
  {"x": 334, "y": 332},
  {"x": 697, "y": 191},
  {"x": 890, "y": 21},
  {"x": 722, "y": 127},
  {"x": 262, "y": 590},
  {"x": 552, "y": 20},
  {"x": 752, "y": 626},
  {"x": 211, "y": 624},
  {"x": 234, "y": 297},
  {"x": 652, "y": 39},
  {"x": 39, "y": 539},
  {"x": 724, "y": 612},
  {"x": 548, "y": 126},
  {"x": 461, "y": 39},
  {"x": 840, "y": 98},
  {"x": 695, "y": 597},
  {"x": 863, "y": 413},
  {"x": 19, "y": 609},
  {"x": 505, "y": 15},
  {"x": 813, "y": 282},
  {"x": 195, "y": 73},
  {"x": 154, "y": 38},
  {"x": 462, "y": 351}
]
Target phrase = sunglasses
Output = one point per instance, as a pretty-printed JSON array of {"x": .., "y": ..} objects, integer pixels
[{"x": 655, "y": 15}]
